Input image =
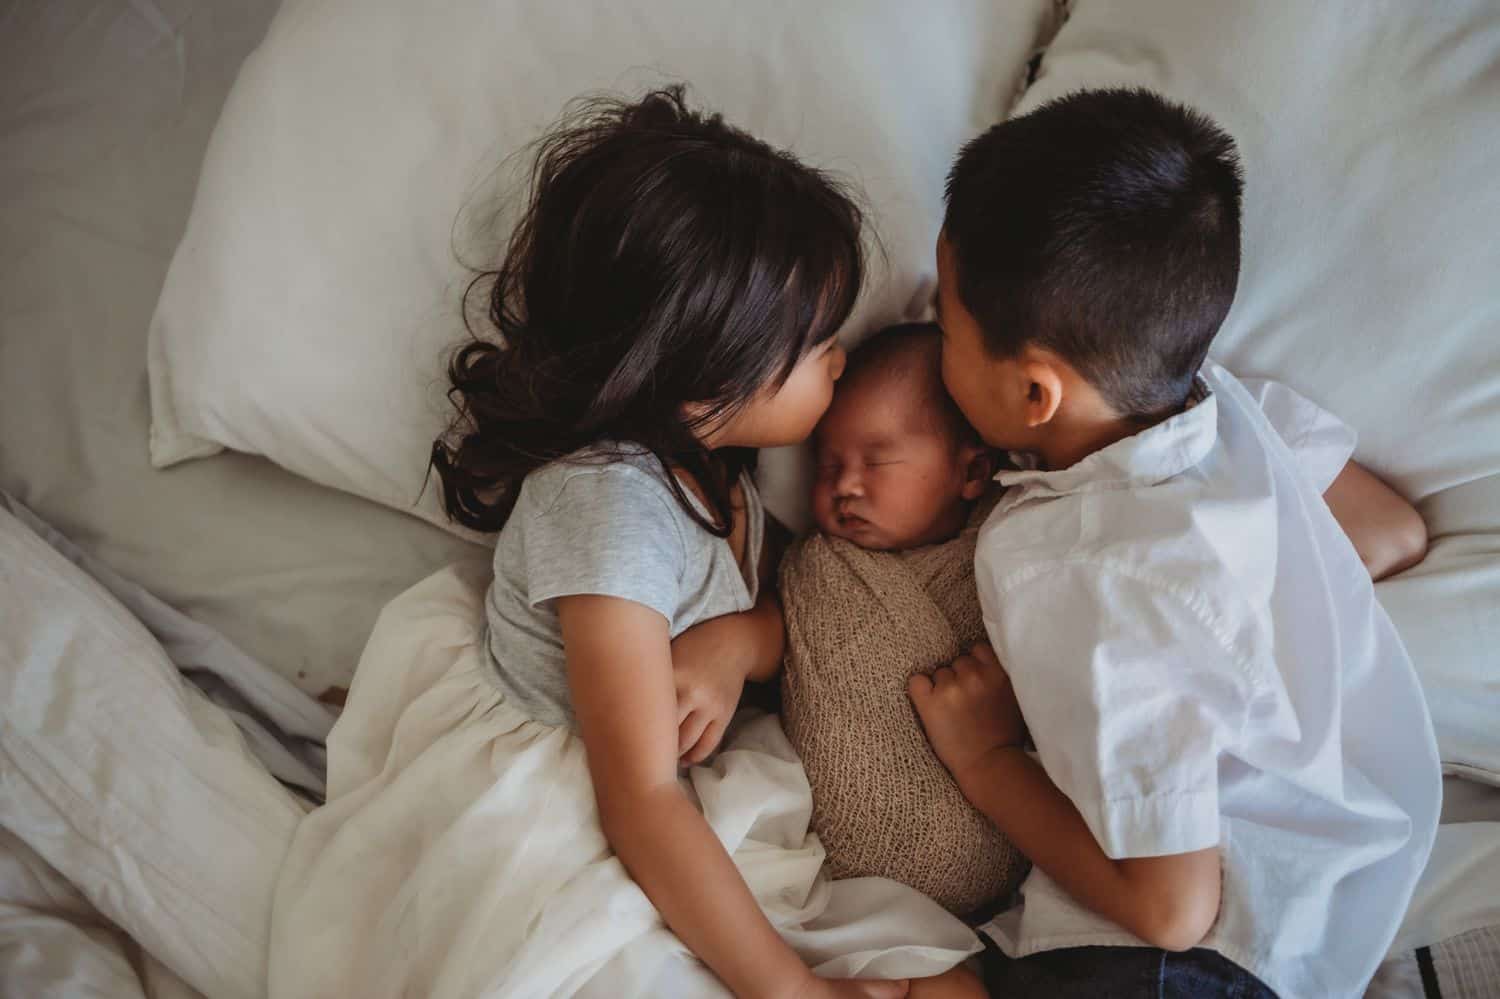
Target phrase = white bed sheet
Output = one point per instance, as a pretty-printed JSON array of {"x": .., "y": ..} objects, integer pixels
[
  {"x": 105, "y": 110},
  {"x": 55, "y": 945}
]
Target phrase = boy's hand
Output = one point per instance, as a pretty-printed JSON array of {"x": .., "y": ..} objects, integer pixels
[
  {"x": 709, "y": 664},
  {"x": 968, "y": 710}
]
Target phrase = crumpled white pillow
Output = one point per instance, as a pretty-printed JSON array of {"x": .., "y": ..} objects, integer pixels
[
  {"x": 1370, "y": 133},
  {"x": 310, "y": 306}
]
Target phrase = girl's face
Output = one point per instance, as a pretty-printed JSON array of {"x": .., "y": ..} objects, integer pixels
[{"x": 786, "y": 415}]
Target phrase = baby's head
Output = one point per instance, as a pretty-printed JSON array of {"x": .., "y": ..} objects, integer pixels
[
  {"x": 1089, "y": 254},
  {"x": 898, "y": 466}
]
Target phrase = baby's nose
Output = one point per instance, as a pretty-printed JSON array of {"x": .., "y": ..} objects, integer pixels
[{"x": 848, "y": 483}]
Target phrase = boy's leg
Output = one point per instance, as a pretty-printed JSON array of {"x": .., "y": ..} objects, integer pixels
[
  {"x": 1075, "y": 973},
  {"x": 1122, "y": 972}
]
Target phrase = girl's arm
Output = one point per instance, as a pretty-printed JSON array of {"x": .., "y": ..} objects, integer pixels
[
  {"x": 714, "y": 659},
  {"x": 1386, "y": 530},
  {"x": 620, "y": 679}
]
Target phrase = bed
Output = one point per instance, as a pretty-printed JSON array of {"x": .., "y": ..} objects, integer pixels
[{"x": 106, "y": 110}]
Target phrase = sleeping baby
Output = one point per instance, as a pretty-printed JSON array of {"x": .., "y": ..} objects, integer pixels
[{"x": 885, "y": 589}]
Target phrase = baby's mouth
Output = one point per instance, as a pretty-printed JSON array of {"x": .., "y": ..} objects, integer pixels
[{"x": 852, "y": 522}]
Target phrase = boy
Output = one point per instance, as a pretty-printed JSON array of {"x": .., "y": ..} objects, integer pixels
[{"x": 1234, "y": 754}]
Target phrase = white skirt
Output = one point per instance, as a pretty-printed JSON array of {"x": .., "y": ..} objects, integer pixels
[{"x": 460, "y": 852}]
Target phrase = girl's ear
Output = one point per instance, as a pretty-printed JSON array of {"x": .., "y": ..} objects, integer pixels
[{"x": 979, "y": 468}]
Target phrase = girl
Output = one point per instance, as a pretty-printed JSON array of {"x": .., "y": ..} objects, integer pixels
[{"x": 667, "y": 303}]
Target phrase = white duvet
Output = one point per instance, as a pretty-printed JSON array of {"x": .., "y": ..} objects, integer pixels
[{"x": 460, "y": 852}]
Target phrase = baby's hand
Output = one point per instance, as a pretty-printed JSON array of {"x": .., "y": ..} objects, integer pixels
[
  {"x": 708, "y": 667},
  {"x": 968, "y": 709}
]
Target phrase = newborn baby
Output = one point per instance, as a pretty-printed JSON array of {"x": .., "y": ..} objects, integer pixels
[
  {"x": 898, "y": 466},
  {"x": 883, "y": 590}
]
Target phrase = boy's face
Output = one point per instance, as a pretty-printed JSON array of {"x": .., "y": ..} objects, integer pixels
[
  {"x": 889, "y": 477},
  {"x": 982, "y": 386}
]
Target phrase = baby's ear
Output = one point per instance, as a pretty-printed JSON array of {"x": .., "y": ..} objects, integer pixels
[{"x": 979, "y": 464}]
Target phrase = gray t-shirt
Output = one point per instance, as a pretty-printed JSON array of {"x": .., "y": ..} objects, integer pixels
[{"x": 612, "y": 528}]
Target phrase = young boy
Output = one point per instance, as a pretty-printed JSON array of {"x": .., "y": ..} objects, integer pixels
[{"x": 1236, "y": 782}]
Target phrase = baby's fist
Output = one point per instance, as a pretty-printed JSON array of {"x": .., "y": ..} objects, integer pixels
[{"x": 968, "y": 709}]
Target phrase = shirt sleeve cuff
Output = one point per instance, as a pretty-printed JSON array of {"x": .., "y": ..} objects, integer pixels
[{"x": 1156, "y": 826}]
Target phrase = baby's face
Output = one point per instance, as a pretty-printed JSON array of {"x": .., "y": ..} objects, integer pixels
[{"x": 888, "y": 476}]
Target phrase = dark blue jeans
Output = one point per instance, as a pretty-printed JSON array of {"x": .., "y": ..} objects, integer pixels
[{"x": 1118, "y": 973}]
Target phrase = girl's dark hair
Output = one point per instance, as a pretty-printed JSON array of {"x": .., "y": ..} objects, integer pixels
[{"x": 664, "y": 258}]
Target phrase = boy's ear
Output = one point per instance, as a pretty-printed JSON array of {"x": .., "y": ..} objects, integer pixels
[
  {"x": 979, "y": 465},
  {"x": 1044, "y": 388}
]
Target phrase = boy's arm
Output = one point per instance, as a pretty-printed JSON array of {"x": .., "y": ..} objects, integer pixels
[
  {"x": 1387, "y": 532},
  {"x": 974, "y": 724},
  {"x": 1169, "y": 902}
]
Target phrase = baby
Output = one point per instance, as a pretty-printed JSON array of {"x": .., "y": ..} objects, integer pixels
[
  {"x": 885, "y": 590},
  {"x": 898, "y": 465}
]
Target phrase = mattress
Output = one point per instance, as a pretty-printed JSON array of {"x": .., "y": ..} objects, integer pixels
[{"x": 105, "y": 110}]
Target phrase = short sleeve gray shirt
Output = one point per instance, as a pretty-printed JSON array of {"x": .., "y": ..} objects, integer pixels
[{"x": 612, "y": 528}]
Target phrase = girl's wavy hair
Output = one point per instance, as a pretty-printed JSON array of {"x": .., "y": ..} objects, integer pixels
[{"x": 664, "y": 258}]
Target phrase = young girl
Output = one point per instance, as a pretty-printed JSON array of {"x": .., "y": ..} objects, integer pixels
[{"x": 668, "y": 303}]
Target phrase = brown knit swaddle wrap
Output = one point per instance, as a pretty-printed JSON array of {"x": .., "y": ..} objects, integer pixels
[{"x": 858, "y": 625}]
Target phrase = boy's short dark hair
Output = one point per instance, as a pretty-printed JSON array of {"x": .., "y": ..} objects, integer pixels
[{"x": 1105, "y": 227}]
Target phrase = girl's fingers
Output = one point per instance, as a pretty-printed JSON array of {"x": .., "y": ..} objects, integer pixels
[
  {"x": 875, "y": 989},
  {"x": 920, "y": 685},
  {"x": 707, "y": 743},
  {"x": 690, "y": 731}
]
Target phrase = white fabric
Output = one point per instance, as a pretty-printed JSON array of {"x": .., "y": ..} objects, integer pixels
[
  {"x": 1199, "y": 655},
  {"x": 315, "y": 292},
  {"x": 284, "y": 728},
  {"x": 1370, "y": 131},
  {"x": 105, "y": 110},
  {"x": 1321, "y": 443},
  {"x": 460, "y": 851},
  {"x": 55, "y": 945},
  {"x": 127, "y": 782},
  {"x": 1460, "y": 890}
]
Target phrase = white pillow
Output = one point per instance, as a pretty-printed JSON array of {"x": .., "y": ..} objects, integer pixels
[
  {"x": 310, "y": 306},
  {"x": 1370, "y": 133}
]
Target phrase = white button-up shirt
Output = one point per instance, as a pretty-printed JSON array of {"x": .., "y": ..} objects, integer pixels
[{"x": 1201, "y": 660}]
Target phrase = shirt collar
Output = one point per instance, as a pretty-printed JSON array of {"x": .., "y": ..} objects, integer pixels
[{"x": 1154, "y": 455}]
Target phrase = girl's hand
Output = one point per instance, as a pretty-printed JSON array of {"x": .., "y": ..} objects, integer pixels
[
  {"x": 968, "y": 709},
  {"x": 709, "y": 664}
]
